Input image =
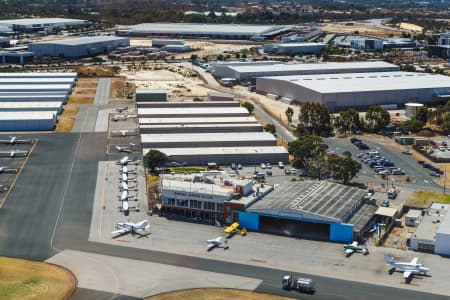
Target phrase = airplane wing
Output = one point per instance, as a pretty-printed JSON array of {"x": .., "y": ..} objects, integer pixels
[
  {"x": 355, "y": 244},
  {"x": 414, "y": 260},
  {"x": 210, "y": 246},
  {"x": 119, "y": 231},
  {"x": 349, "y": 251},
  {"x": 406, "y": 274}
]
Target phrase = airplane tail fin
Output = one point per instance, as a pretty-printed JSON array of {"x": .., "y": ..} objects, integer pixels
[{"x": 389, "y": 260}]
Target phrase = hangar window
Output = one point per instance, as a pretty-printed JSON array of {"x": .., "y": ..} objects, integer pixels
[
  {"x": 183, "y": 203},
  {"x": 196, "y": 204}
]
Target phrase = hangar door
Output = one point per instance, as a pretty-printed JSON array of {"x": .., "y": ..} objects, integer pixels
[{"x": 294, "y": 228}]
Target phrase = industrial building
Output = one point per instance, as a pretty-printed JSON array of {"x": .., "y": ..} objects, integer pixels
[
  {"x": 433, "y": 230},
  {"x": 201, "y": 120},
  {"x": 442, "y": 49},
  {"x": 188, "y": 104},
  {"x": 180, "y": 112},
  {"x": 32, "y": 88},
  {"x": 39, "y": 75},
  {"x": 16, "y": 57},
  {"x": 150, "y": 95},
  {"x": 248, "y": 71},
  {"x": 197, "y": 128},
  {"x": 371, "y": 43},
  {"x": 293, "y": 48},
  {"x": 311, "y": 209},
  {"x": 32, "y": 98},
  {"x": 27, "y": 120},
  {"x": 227, "y": 155},
  {"x": 47, "y": 25},
  {"x": 203, "y": 31},
  {"x": 358, "y": 90},
  {"x": 210, "y": 139},
  {"x": 78, "y": 47},
  {"x": 32, "y": 106},
  {"x": 23, "y": 81}
]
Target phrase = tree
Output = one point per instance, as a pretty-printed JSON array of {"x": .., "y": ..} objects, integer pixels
[
  {"x": 250, "y": 107},
  {"x": 155, "y": 159},
  {"x": 289, "y": 114},
  {"x": 348, "y": 121},
  {"x": 304, "y": 149},
  {"x": 377, "y": 118},
  {"x": 413, "y": 125},
  {"x": 422, "y": 114},
  {"x": 344, "y": 168},
  {"x": 314, "y": 118},
  {"x": 270, "y": 128}
]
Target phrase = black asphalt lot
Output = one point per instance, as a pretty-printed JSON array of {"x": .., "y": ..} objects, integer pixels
[{"x": 54, "y": 194}]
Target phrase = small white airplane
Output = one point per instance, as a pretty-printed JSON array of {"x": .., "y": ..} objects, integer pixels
[
  {"x": 13, "y": 140},
  {"x": 126, "y": 208},
  {"x": 125, "y": 161},
  {"x": 349, "y": 249},
  {"x": 125, "y": 187},
  {"x": 409, "y": 268},
  {"x": 219, "y": 242},
  {"x": 125, "y": 170},
  {"x": 120, "y": 117},
  {"x": 121, "y": 109},
  {"x": 3, "y": 188},
  {"x": 123, "y": 149},
  {"x": 124, "y": 178},
  {"x": 141, "y": 228},
  {"x": 8, "y": 170},
  {"x": 124, "y": 196},
  {"x": 14, "y": 153}
]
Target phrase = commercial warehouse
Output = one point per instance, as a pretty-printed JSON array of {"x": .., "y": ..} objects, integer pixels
[
  {"x": 202, "y": 120},
  {"x": 227, "y": 155},
  {"x": 32, "y": 88},
  {"x": 22, "y": 81},
  {"x": 27, "y": 121},
  {"x": 30, "y": 25},
  {"x": 358, "y": 90},
  {"x": 195, "y": 140},
  {"x": 78, "y": 47},
  {"x": 189, "y": 112},
  {"x": 39, "y": 75},
  {"x": 32, "y": 98},
  {"x": 189, "y": 104},
  {"x": 310, "y": 209},
  {"x": 32, "y": 106},
  {"x": 203, "y": 31},
  {"x": 248, "y": 71},
  {"x": 198, "y": 128}
]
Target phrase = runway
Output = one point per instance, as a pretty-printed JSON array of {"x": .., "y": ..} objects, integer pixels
[{"x": 50, "y": 210}]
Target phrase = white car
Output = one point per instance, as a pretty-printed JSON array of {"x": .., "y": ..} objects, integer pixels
[
  {"x": 442, "y": 148},
  {"x": 263, "y": 165},
  {"x": 280, "y": 165},
  {"x": 293, "y": 171},
  {"x": 232, "y": 174},
  {"x": 268, "y": 166}
]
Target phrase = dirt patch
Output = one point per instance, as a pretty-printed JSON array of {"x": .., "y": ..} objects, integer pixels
[
  {"x": 361, "y": 28},
  {"x": 121, "y": 89},
  {"x": 23, "y": 279},
  {"x": 64, "y": 124},
  {"x": 69, "y": 110},
  {"x": 411, "y": 27},
  {"x": 84, "y": 92},
  {"x": 216, "y": 294},
  {"x": 87, "y": 84},
  {"x": 77, "y": 99},
  {"x": 97, "y": 71}
]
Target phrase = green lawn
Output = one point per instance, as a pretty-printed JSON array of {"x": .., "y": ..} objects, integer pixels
[{"x": 423, "y": 199}]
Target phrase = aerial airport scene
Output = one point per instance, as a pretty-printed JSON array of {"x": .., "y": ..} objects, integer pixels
[{"x": 224, "y": 149}]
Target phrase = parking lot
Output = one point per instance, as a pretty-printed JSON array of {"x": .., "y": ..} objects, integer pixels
[{"x": 11, "y": 165}]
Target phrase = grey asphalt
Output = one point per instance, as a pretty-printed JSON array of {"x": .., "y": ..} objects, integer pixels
[
  {"x": 55, "y": 192},
  {"x": 102, "y": 93}
]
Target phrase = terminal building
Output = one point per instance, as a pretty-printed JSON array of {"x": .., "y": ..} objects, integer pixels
[
  {"x": 203, "y": 31},
  {"x": 248, "y": 71},
  {"x": 358, "y": 90},
  {"x": 78, "y": 47}
]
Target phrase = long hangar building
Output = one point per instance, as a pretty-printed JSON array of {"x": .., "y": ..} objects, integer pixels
[
  {"x": 212, "y": 31},
  {"x": 341, "y": 91}
]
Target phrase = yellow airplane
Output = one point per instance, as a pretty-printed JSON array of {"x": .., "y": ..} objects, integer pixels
[{"x": 235, "y": 228}]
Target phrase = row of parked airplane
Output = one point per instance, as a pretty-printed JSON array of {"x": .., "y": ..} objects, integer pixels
[
  {"x": 127, "y": 175},
  {"x": 12, "y": 141}
]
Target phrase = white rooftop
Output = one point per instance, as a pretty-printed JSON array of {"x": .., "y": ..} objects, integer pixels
[
  {"x": 444, "y": 228},
  {"x": 205, "y": 120},
  {"x": 32, "y": 87},
  {"x": 206, "y": 137},
  {"x": 211, "y": 125},
  {"x": 193, "y": 28},
  {"x": 196, "y": 187},
  {"x": 31, "y": 105},
  {"x": 28, "y": 115},
  {"x": 38, "y": 74},
  {"x": 222, "y": 150},
  {"x": 83, "y": 40},
  {"x": 375, "y": 81},
  {"x": 39, "y": 80},
  {"x": 150, "y": 91},
  {"x": 295, "y": 45},
  {"x": 332, "y": 66},
  {"x": 31, "y": 21},
  {"x": 179, "y": 111}
]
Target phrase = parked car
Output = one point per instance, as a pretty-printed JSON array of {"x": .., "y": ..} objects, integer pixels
[
  {"x": 269, "y": 166},
  {"x": 407, "y": 152},
  {"x": 354, "y": 140},
  {"x": 385, "y": 203},
  {"x": 442, "y": 148},
  {"x": 260, "y": 175},
  {"x": 232, "y": 174},
  {"x": 427, "y": 165},
  {"x": 268, "y": 172},
  {"x": 263, "y": 166},
  {"x": 239, "y": 166},
  {"x": 435, "y": 174},
  {"x": 363, "y": 147},
  {"x": 293, "y": 171},
  {"x": 233, "y": 167},
  {"x": 280, "y": 165}
]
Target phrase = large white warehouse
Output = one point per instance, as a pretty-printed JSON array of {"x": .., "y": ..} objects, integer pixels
[
  {"x": 27, "y": 120},
  {"x": 39, "y": 75},
  {"x": 341, "y": 91},
  {"x": 41, "y": 24},
  {"x": 245, "y": 71},
  {"x": 184, "y": 112}
]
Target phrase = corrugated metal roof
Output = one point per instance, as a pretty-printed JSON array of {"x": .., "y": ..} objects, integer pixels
[
  {"x": 191, "y": 110},
  {"x": 38, "y": 74},
  {"x": 364, "y": 82},
  {"x": 31, "y": 105},
  {"x": 31, "y": 21},
  {"x": 203, "y": 120},
  {"x": 206, "y": 137},
  {"x": 33, "y": 80},
  {"x": 41, "y": 87},
  {"x": 83, "y": 40},
  {"x": 444, "y": 228},
  {"x": 222, "y": 150},
  {"x": 28, "y": 115}
]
